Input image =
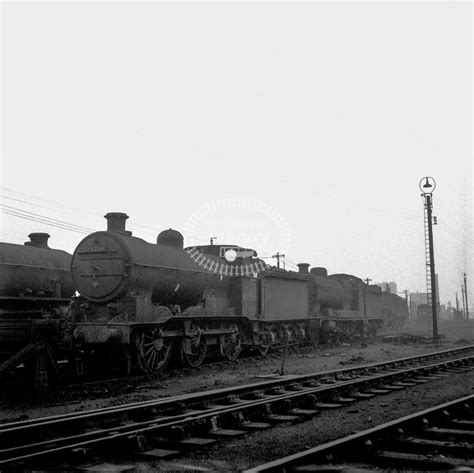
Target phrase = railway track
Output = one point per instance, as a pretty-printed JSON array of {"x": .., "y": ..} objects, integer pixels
[
  {"x": 130, "y": 381},
  {"x": 166, "y": 426},
  {"x": 100, "y": 380},
  {"x": 440, "y": 438}
]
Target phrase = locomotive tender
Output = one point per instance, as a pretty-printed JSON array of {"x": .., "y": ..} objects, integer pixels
[{"x": 142, "y": 302}]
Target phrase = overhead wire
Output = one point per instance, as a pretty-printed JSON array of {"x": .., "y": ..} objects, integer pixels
[
  {"x": 63, "y": 226},
  {"x": 43, "y": 222},
  {"x": 61, "y": 223},
  {"x": 34, "y": 214}
]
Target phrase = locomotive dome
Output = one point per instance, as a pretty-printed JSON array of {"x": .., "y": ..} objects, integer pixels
[
  {"x": 171, "y": 238},
  {"x": 319, "y": 272}
]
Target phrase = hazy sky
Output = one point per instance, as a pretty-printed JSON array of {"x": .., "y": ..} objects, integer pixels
[{"x": 295, "y": 127}]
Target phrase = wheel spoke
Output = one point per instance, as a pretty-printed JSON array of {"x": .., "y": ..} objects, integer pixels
[
  {"x": 194, "y": 351},
  {"x": 149, "y": 350},
  {"x": 152, "y": 350},
  {"x": 152, "y": 359},
  {"x": 231, "y": 345}
]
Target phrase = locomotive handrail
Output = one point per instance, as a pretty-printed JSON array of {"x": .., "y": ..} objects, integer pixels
[
  {"x": 18, "y": 265},
  {"x": 143, "y": 265}
]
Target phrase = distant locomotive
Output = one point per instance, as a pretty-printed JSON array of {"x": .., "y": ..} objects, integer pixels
[
  {"x": 35, "y": 291},
  {"x": 141, "y": 302}
]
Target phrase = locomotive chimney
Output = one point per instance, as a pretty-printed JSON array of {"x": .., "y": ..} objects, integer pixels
[
  {"x": 116, "y": 222},
  {"x": 40, "y": 240},
  {"x": 303, "y": 268}
]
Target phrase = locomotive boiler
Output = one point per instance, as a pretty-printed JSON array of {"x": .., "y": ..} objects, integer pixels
[
  {"x": 34, "y": 270},
  {"x": 108, "y": 265}
]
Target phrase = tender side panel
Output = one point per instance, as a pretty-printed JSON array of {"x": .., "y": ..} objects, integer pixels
[
  {"x": 249, "y": 297},
  {"x": 374, "y": 304},
  {"x": 284, "y": 298}
]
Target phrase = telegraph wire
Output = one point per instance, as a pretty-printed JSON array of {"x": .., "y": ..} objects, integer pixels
[
  {"x": 74, "y": 211},
  {"x": 37, "y": 205},
  {"x": 54, "y": 220},
  {"x": 46, "y": 221},
  {"x": 43, "y": 222},
  {"x": 52, "y": 224},
  {"x": 57, "y": 204},
  {"x": 79, "y": 228}
]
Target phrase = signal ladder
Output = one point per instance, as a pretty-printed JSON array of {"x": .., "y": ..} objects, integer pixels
[{"x": 427, "y": 252}]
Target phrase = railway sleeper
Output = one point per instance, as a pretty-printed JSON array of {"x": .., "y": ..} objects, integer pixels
[
  {"x": 392, "y": 387},
  {"x": 341, "y": 399},
  {"x": 457, "y": 435},
  {"x": 421, "y": 379},
  {"x": 456, "y": 370},
  {"x": 195, "y": 442},
  {"x": 217, "y": 431},
  {"x": 292, "y": 410},
  {"x": 327, "y": 381},
  {"x": 433, "y": 376},
  {"x": 417, "y": 462},
  {"x": 460, "y": 424},
  {"x": 376, "y": 391},
  {"x": 294, "y": 387},
  {"x": 439, "y": 447},
  {"x": 328, "y": 405},
  {"x": 405, "y": 384},
  {"x": 178, "y": 438},
  {"x": 344, "y": 378},
  {"x": 280, "y": 390},
  {"x": 313, "y": 384},
  {"x": 258, "y": 395},
  {"x": 305, "y": 413},
  {"x": 243, "y": 423},
  {"x": 160, "y": 453},
  {"x": 210, "y": 406},
  {"x": 278, "y": 418},
  {"x": 364, "y": 395}
]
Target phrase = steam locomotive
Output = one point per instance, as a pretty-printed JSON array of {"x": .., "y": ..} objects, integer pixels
[
  {"x": 145, "y": 303},
  {"x": 35, "y": 291}
]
